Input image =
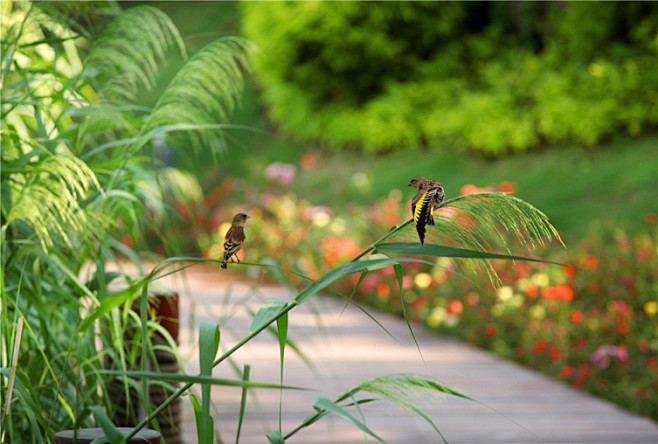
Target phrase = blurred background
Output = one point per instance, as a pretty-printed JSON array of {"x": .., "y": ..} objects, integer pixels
[{"x": 556, "y": 98}]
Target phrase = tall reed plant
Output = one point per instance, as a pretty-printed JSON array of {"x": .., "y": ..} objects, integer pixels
[{"x": 80, "y": 176}]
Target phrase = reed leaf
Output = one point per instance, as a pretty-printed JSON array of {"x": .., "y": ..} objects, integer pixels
[
  {"x": 484, "y": 221},
  {"x": 127, "y": 56},
  {"x": 204, "y": 92}
]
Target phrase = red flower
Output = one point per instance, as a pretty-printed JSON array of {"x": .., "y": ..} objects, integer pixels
[
  {"x": 584, "y": 371},
  {"x": 565, "y": 293},
  {"x": 591, "y": 261},
  {"x": 490, "y": 330},
  {"x": 568, "y": 271},
  {"x": 554, "y": 354},
  {"x": 651, "y": 362},
  {"x": 622, "y": 328},
  {"x": 419, "y": 303},
  {"x": 580, "y": 342},
  {"x": 651, "y": 218},
  {"x": 643, "y": 345},
  {"x": 576, "y": 316},
  {"x": 540, "y": 345},
  {"x": 567, "y": 371}
]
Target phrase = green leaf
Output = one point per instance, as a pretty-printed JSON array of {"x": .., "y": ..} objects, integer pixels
[
  {"x": 445, "y": 251},
  {"x": 331, "y": 407},
  {"x": 354, "y": 290},
  {"x": 198, "y": 379},
  {"x": 398, "y": 274},
  {"x": 243, "y": 402},
  {"x": 373, "y": 262},
  {"x": 282, "y": 329},
  {"x": 276, "y": 437},
  {"x": 270, "y": 311},
  {"x": 208, "y": 345},
  {"x": 104, "y": 421},
  {"x": 104, "y": 308},
  {"x": 196, "y": 406}
]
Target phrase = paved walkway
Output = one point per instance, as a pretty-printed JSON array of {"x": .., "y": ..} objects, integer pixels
[{"x": 523, "y": 406}]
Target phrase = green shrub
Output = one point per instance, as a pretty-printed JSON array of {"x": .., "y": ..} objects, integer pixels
[{"x": 486, "y": 76}]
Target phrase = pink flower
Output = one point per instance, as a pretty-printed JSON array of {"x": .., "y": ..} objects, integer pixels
[
  {"x": 601, "y": 355},
  {"x": 283, "y": 173}
]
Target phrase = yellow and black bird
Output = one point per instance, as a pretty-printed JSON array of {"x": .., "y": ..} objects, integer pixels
[
  {"x": 430, "y": 195},
  {"x": 234, "y": 238}
]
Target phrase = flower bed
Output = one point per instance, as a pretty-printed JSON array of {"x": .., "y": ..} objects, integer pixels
[{"x": 593, "y": 326}]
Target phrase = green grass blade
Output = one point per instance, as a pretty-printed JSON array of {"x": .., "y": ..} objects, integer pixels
[
  {"x": 110, "y": 430},
  {"x": 198, "y": 379},
  {"x": 268, "y": 313},
  {"x": 196, "y": 406},
  {"x": 282, "y": 328},
  {"x": 276, "y": 437},
  {"x": 243, "y": 402},
  {"x": 332, "y": 407},
  {"x": 209, "y": 337},
  {"x": 354, "y": 290},
  {"x": 398, "y": 273},
  {"x": 366, "y": 263},
  {"x": 445, "y": 251}
]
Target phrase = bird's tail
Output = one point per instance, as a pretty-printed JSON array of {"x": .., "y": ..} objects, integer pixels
[{"x": 420, "y": 228}]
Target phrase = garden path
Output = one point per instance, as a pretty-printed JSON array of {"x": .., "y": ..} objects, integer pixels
[{"x": 522, "y": 406}]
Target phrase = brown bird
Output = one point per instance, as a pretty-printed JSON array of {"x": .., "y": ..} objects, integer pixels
[
  {"x": 430, "y": 195},
  {"x": 234, "y": 238}
]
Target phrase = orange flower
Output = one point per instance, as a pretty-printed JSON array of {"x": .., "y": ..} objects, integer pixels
[
  {"x": 591, "y": 261},
  {"x": 643, "y": 345},
  {"x": 576, "y": 316},
  {"x": 468, "y": 189},
  {"x": 307, "y": 162},
  {"x": 549, "y": 293},
  {"x": 455, "y": 307},
  {"x": 651, "y": 218},
  {"x": 568, "y": 271},
  {"x": 565, "y": 293},
  {"x": 622, "y": 328},
  {"x": 472, "y": 298},
  {"x": 507, "y": 187},
  {"x": 383, "y": 290},
  {"x": 532, "y": 291}
]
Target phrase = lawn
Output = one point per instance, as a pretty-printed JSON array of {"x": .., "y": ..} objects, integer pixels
[{"x": 573, "y": 185}]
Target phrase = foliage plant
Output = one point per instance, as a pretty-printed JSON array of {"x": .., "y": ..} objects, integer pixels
[
  {"x": 493, "y": 77},
  {"x": 80, "y": 168}
]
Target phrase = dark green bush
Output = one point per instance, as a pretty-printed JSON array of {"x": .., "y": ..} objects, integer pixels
[{"x": 489, "y": 76}]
